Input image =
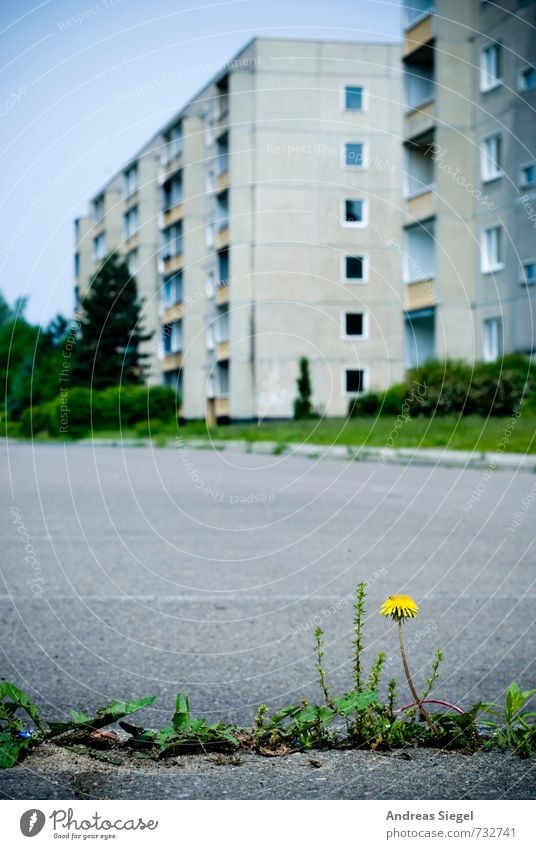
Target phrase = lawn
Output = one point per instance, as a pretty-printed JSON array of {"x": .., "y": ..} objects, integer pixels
[{"x": 512, "y": 434}]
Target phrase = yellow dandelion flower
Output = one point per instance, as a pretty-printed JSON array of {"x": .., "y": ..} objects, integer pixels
[{"x": 400, "y": 607}]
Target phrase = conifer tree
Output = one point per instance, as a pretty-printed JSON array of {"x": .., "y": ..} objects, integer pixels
[{"x": 107, "y": 349}]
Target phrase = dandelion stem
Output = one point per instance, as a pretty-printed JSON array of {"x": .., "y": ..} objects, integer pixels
[{"x": 422, "y": 712}]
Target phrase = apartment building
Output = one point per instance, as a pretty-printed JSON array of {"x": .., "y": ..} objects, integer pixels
[
  {"x": 470, "y": 178},
  {"x": 270, "y": 181},
  {"x": 124, "y": 218}
]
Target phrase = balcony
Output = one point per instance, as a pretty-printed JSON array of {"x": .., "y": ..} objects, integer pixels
[
  {"x": 173, "y": 313},
  {"x": 222, "y": 238},
  {"x": 172, "y": 362},
  {"x": 420, "y": 120},
  {"x": 419, "y": 252},
  {"x": 418, "y": 33},
  {"x": 420, "y": 295},
  {"x": 171, "y": 216},
  {"x": 222, "y": 351},
  {"x": 222, "y": 407},
  {"x": 170, "y": 264},
  {"x": 420, "y": 206},
  {"x": 222, "y": 294}
]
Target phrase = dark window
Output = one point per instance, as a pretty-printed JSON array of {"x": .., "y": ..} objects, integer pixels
[
  {"x": 354, "y": 210},
  {"x": 166, "y": 338},
  {"x": 354, "y": 380},
  {"x": 354, "y": 323},
  {"x": 354, "y": 267}
]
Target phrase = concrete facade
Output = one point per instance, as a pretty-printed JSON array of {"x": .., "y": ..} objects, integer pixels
[
  {"x": 124, "y": 218},
  {"x": 265, "y": 239},
  {"x": 469, "y": 128}
]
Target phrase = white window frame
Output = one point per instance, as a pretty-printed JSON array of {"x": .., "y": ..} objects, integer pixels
[
  {"x": 354, "y": 224},
  {"x": 99, "y": 253},
  {"x": 525, "y": 281},
  {"x": 522, "y": 184},
  {"x": 487, "y": 354},
  {"x": 364, "y": 99},
  {"x": 211, "y": 337},
  {"x": 365, "y": 388},
  {"x": 487, "y": 266},
  {"x": 486, "y": 161},
  {"x": 487, "y": 82},
  {"x": 129, "y": 215},
  {"x": 177, "y": 336},
  {"x": 347, "y": 167},
  {"x": 520, "y": 82},
  {"x": 130, "y": 186},
  {"x": 133, "y": 258},
  {"x": 354, "y": 280},
  {"x": 353, "y": 337}
]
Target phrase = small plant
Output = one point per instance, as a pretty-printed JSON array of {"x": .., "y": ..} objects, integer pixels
[
  {"x": 512, "y": 726},
  {"x": 184, "y": 734},
  {"x": 365, "y": 718}
]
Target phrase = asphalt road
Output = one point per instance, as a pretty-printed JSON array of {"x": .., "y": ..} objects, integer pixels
[{"x": 138, "y": 571}]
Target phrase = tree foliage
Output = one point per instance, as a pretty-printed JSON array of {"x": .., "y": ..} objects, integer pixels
[{"x": 107, "y": 351}]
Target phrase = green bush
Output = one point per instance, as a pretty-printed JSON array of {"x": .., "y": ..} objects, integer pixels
[
  {"x": 364, "y": 405},
  {"x": 35, "y": 420},
  {"x": 81, "y": 411},
  {"x": 394, "y": 399},
  {"x": 454, "y": 387}
]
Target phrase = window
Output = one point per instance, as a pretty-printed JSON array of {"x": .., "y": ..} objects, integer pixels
[
  {"x": 172, "y": 290},
  {"x": 211, "y": 337},
  {"x": 223, "y": 266},
  {"x": 354, "y": 381},
  {"x": 354, "y": 268},
  {"x": 529, "y": 273},
  {"x": 354, "y": 213},
  {"x": 223, "y": 153},
  {"x": 492, "y": 250},
  {"x": 210, "y": 285},
  {"x": 173, "y": 145},
  {"x": 99, "y": 247},
  {"x": 171, "y": 241},
  {"x": 490, "y": 164},
  {"x": 353, "y": 98},
  {"x": 133, "y": 263},
  {"x": 222, "y": 379},
  {"x": 527, "y": 175},
  {"x": 492, "y": 339},
  {"x": 172, "y": 192},
  {"x": 131, "y": 180},
  {"x": 354, "y": 155},
  {"x": 176, "y": 337},
  {"x": 222, "y": 210},
  {"x": 415, "y": 10},
  {"x": 222, "y": 324},
  {"x": 98, "y": 208},
  {"x": 527, "y": 79},
  {"x": 490, "y": 67},
  {"x": 166, "y": 338},
  {"x": 354, "y": 325},
  {"x": 130, "y": 222},
  {"x": 210, "y": 183}
]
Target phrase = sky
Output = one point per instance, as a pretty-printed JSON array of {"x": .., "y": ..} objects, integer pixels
[{"x": 83, "y": 85}]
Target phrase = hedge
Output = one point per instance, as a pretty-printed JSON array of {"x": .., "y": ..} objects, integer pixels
[
  {"x": 80, "y": 411},
  {"x": 452, "y": 386}
]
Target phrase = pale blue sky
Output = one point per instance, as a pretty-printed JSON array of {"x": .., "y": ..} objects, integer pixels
[{"x": 69, "y": 118}]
